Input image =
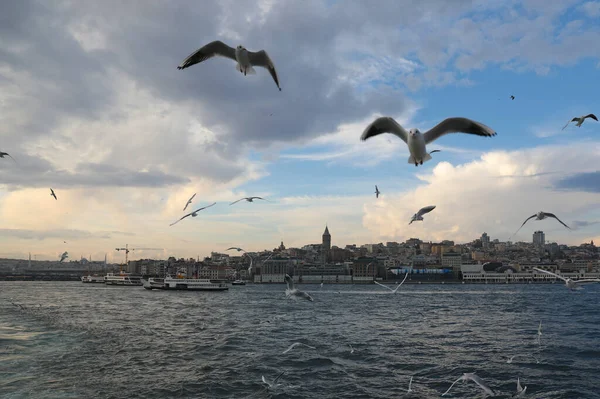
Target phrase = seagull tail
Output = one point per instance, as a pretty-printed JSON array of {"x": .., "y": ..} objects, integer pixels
[
  {"x": 411, "y": 159},
  {"x": 249, "y": 70},
  {"x": 426, "y": 157}
]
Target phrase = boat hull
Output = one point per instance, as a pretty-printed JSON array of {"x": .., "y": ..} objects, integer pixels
[{"x": 170, "y": 284}]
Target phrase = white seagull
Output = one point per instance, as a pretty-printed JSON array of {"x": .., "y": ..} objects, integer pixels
[
  {"x": 572, "y": 284},
  {"x": 580, "y": 120},
  {"x": 295, "y": 344},
  {"x": 418, "y": 141},
  {"x": 192, "y": 214},
  {"x": 377, "y": 192},
  {"x": 351, "y": 349},
  {"x": 272, "y": 384},
  {"x": 419, "y": 215},
  {"x": 539, "y": 333},
  {"x": 236, "y": 248},
  {"x": 540, "y": 216},
  {"x": 291, "y": 291},
  {"x": 245, "y": 59},
  {"x": 249, "y": 199},
  {"x": 189, "y": 201},
  {"x": 520, "y": 389},
  {"x": 409, "y": 385},
  {"x": 475, "y": 378},
  {"x": 395, "y": 289}
]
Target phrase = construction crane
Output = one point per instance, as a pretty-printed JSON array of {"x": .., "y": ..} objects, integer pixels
[{"x": 127, "y": 250}]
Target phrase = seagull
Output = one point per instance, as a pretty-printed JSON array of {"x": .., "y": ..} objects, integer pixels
[
  {"x": 321, "y": 285},
  {"x": 417, "y": 141},
  {"x": 65, "y": 242},
  {"x": 572, "y": 284},
  {"x": 520, "y": 389},
  {"x": 3, "y": 154},
  {"x": 510, "y": 359},
  {"x": 377, "y": 192},
  {"x": 53, "y": 195},
  {"x": 236, "y": 248},
  {"x": 295, "y": 344},
  {"x": 192, "y": 214},
  {"x": 541, "y": 216},
  {"x": 422, "y": 211},
  {"x": 351, "y": 349},
  {"x": 539, "y": 333},
  {"x": 249, "y": 199},
  {"x": 189, "y": 201},
  {"x": 291, "y": 291},
  {"x": 512, "y": 97},
  {"x": 271, "y": 385},
  {"x": 410, "y": 384},
  {"x": 475, "y": 378},
  {"x": 395, "y": 289},
  {"x": 580, "y": 120},
  {"x": 245, "y": 59},
  {"x": 64, "y": 256}
]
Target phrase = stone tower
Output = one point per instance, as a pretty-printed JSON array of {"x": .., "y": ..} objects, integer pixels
[{"x": 326, "y": 246}]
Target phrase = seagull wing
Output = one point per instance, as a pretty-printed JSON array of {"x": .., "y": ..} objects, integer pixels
[
  {"x": 587, "y": 281},
  {"x": 550, "y": 273},
  {"x": 289, "y": 281},
  {"x": 204, "y": 207},
  {"x": 260, "y": 198},
  {"x": 385, "y": 286},
  {"x": 475, "y": 378},
  {"x": 554, "y": 216},
  {"x": 385, "y": 124},
  {"x": 425, "y": 210},
  {"x": 183, "y": 217},
  {"x": 405, "y": 276},
  {"x": 265, "y": 381},
  {"x": 210, "y": 50},
  {"x": 452, "y": 386},
  {"x": 18, "y": 163},
  {"x": 189, "y": 201},
  {"x": 292, "y": 346},
  {"x": 235, "y": 202},
  {"x": 526, "y": 220},
  {"x": 587, "y": 116},
  {"x": 567, "y": 124},
  {"x": 261, "y": 58},
  {"x": 276, "y": 378},
  {"x": 457, "y": 125}
]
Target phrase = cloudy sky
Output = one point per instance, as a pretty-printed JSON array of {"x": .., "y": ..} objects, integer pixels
[{"x": 92, "y": 105}]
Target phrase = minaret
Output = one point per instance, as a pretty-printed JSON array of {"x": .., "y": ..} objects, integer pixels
[{"x": 326, "y": 246}]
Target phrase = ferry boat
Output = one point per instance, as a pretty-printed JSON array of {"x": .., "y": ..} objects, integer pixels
[
  {"x": 182, "y": 283},
  {"x": 238, "y": 282},
  {"x": 122, "y": 278},
  {"x": 92, "y": 279}
]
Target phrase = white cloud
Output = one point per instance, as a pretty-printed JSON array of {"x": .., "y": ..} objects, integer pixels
[{"x": 591, "y": 8}]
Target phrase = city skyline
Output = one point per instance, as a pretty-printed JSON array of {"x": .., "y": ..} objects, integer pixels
[{"x": 124, "y": 138}]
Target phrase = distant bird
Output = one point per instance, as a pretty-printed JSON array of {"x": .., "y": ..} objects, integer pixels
[
  {"x": 65, "y": 242},
  {"x": 512, "y": 97},
  {"x": 409, "y": 385},
  {"x": 580, "y": 120},
  {"x": 351, "y": 349},
  {"x": 245, "y": 59},
  {"x": 417, "y": 141},
  {"x": 475, "y": 378},
  {"x": 520, "y": 389},
  {"x": 249, "y": 199},
  {"x": 272, "y": 384},
  {"x": 539, "y": 333},
  {"x": 395, "y": 289},
  {"x": 571, "y": 284},
  {"x": 189, "y": 201},
  {"x": 295, "y": 344},
  {"x": 377, "y": 192},
  {"x": 419, "y": 215},
  {"x": 64, "y": 256},
  {"x": 540, "y": 216},
  {"x": 3, "y": 154},
  {"x": 53, "y": 195},
  {"x": 236, "y": 248},
  {"x": 291, "y": 291},
  {"x": 192, "y": 214}
]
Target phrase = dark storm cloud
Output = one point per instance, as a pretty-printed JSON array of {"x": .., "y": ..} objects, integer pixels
[{"x": 589, "y": 182}]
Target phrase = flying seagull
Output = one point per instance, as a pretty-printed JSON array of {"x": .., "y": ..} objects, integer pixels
[
  {"x": 512, "y": 97},
  {"x": 540, "y": 216},
  {"x": 580, "y": 120},
  {"x": 3, "y": 154},
  {"x": 189, "y": 201},
  {"x": 417, "y": 141},
  {"x": 422, "y": 211},
  {"x": 52, "y": 194},
  {"x": 409, "y": 385},
  {"x": 249, "y": 199},
  {"x": 572, "y": 284},
  {"x": 64, "y": 256},
  {"x": 377, "y": 192},
  {"x": 295, "y": 292},
  {"x": 475, "y": 378},
  {"x": 395, "y": 289},
  {"x": 192, "y": 214},
  {"x": 236, "y": 248},
  {"x": 272, "y": 384},
  {"x": 245, "y": 59},
  {"x": 520, "y": 389},
  {"x": 295, "y": 344}
]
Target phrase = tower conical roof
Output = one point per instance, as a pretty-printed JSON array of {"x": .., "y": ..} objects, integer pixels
[{"x": 326, "y": 233}]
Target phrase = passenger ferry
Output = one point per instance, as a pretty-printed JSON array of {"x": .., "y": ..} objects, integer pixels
[
  {"x": 182, "y": 283},
  {"x": 92, "y": 279},
  {"x": 122, "y": 278}
]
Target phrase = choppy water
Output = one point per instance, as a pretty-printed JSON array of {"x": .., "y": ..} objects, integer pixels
[{"x": 77, "y": 340}]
